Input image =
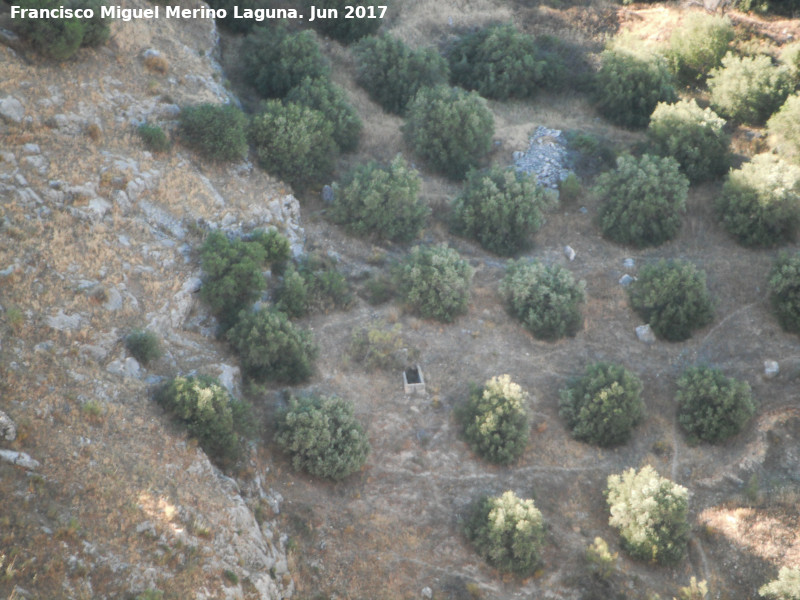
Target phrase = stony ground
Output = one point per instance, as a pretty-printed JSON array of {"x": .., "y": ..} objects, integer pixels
[{"x": 99, "y": 236}]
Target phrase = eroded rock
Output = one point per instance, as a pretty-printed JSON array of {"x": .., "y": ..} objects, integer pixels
[
  {"x": 8, "y": 429},
  {"x": 11, "y": 110},
  {"x": 645, "y": 334}
]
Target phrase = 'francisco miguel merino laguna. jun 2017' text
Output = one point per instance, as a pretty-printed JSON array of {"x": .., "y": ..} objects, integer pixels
[{"x": 178, "y": 12}]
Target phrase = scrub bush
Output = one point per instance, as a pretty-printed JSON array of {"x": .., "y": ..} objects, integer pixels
[
  {"x": 788, "y": 8},
  {"x": 500, "y": 208},
  {"x": 699, "y": 45},
  {"x": 322, "y": 436},
  {"x": 382, "y": 200},
  {"x": 711, "y": 406},
  {"x": 271, "y": 348},
  {"x": 760, "y": 202},
  {"x": 630, "y": 84},
  {"x": 508, "y": 532},
  {"x": 392, "y": 73},
  {"x": 784, "y": 291},
  {"x": 59, "y": 39},
  {"x": 500, "y": 62},
  {"x": 322, "y": 95},
  {"x": 275, "y": 59},
  {"x": 642, "y": 200},
  {"x": 495, "y": 420},
  {"x": 346, "y": 30},
  {"x": 749, "y": 89},
  {"x": 673, "y": 298},
  {"x": 143, "y": 345},
  {"x": 209, "y": 412},
  {"x": 693, "y": 136},
  {"x": 784, "y": 129},
  {"x": 153, "y": 137},
  {"x": 293, "y": 143},
  {"x": 790, "y": 56},
  {"x": 546, "y": 299},
  {"x": 651, "y": 513},
  {"x": 434, "y": 282},
  {"x": 313, "y": 285},
  {"x": 376, "y": 347},
  {"x": 449, "y": 129},
  {"x": 216, "y": 131},
  {"x": 276, "y": 245},
  {"x": 785, "y": 587},
  {"x": 232, "y": 274},
  {"x": 603, "y": 405}
]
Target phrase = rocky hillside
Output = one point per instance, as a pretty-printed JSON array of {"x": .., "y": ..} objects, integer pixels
[
  {"x": 107, "y": 498},
  {"x": 104, "y": 496}
]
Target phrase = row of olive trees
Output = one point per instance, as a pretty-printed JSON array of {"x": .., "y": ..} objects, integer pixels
[
  {"x": 632, "y": 79},
  {"x": 320, "y": 434},
  {"x": 601, "y": 407},
  {"x": 650, "y": 512},
  {"x": 642, "y": 199}
]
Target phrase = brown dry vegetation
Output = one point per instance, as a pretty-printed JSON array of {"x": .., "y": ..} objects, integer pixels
[{"x": 394, "y": 528}]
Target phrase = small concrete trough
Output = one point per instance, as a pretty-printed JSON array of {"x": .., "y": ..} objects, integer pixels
[{"x": 413, "y": 381}]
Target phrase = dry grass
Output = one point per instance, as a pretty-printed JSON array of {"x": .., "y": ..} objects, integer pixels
[
  {"x": 420, "y": 21},
  {"x": 157, "y": 64},
  {"x": 93, "y": 432}
]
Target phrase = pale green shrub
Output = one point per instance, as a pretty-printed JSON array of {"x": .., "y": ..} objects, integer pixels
[{"x": 693, "y": 136}]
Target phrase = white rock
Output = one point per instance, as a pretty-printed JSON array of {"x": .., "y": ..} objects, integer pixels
[
  {"x": 161, "y": 219},
  {"x": 131, "y": 367},
  {"x": 98, "y": 353},
  {"x": 146, "y": 527},
  {"x": 629, "y": 263},
  {"x": 20, "y": 592},
  {"x": 19, "y": 458},
  {"x": 99, "y": 207},
  {"x": 63, "y": 322},
  {"x": 569, "y": 252},
  {"x": 8, "y": 429},
  {"x": 11, "y": 110},
  {"x": 37, "y": 162},
  {"x": 626, "y": 280},
  {"x": 43, "y": 346},
  {"x": 127, "y": 368},
  {"x": 170, "y": 111},
  {"x": 31, "y": 149},
  {"x": 427, "y": 593},
  {"x": 771, "y": 369},
  {"x": 113, "y": 299},
  {"x": 645, "y": 334},
  {"x": 121, "y": 198},
  {"x": 229, "y": 377}
]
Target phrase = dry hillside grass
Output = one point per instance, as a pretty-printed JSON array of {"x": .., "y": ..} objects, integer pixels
[{"x": 123, "y": 501}]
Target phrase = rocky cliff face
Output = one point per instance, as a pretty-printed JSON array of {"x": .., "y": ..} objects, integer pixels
[{"x": 98, "y": 237}]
